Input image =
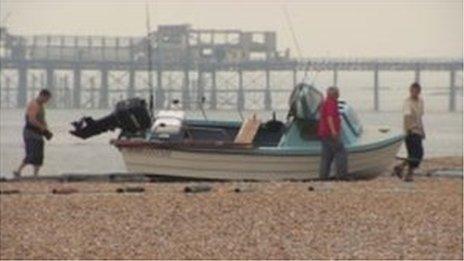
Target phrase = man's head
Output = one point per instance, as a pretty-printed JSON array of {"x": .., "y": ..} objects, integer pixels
[
  {"x": 333, "y": 92},
  {"x": 44, "y": 96},
  {"x": 415, "y": 90}
]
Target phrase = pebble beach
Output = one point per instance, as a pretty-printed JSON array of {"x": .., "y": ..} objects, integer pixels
[{"x": 383, "y": 218}]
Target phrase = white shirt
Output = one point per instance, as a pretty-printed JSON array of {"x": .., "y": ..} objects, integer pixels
[{"x": 413, "y": 110}]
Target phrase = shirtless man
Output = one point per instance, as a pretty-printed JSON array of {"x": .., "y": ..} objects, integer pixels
[{"x": 34, "y": 131}]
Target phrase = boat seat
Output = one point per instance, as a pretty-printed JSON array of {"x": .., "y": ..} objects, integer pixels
[{"x": 248, "y": 130}]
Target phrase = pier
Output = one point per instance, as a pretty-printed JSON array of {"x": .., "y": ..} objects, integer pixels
[{"x": 232, "y": 69}]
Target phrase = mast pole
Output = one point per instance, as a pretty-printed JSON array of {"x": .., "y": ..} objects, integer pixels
[{"x": 150, "y": 61}]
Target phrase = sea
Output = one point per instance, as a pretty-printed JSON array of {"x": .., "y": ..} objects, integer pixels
[{"x": 68, "y": 154}]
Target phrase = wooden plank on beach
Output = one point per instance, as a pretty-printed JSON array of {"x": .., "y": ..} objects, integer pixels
[{"x": 248, "y": 130}]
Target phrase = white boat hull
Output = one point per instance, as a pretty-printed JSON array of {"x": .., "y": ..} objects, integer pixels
[{"x": 246, "y": 166}]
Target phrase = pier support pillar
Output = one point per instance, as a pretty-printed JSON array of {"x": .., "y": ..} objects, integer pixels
[
  {"x": 200, "y": 87},
  {"x": 7, "y": 91},
  {"x": 33, "y": 85},
  {"x": 103, "y": 101},
  {"x": 452, "y": 93},
  {"x": 77, "y": 88},
  {"x": 159, "y": 92},
  {"x": 51, "y": 85},
  {"x": 92, "y": 92},
  {"x": 22, "y": 87},
  {"x": 213, "y": 103},
  {"x": 186, "y": 91},
  {"x": 376, "y": 89},
  {"x": 335, "y": 77},
  {"x": 267, "y": 92},
  {"x": 67, "y": 95},
  {"x": 131, "y": 87},
  {"x": 240, "y": 94}
]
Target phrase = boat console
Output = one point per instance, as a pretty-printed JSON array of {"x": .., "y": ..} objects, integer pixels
[{"x": 168, "y": 125}]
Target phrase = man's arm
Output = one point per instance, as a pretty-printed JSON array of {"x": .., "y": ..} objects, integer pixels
[
  {"x": 408, "y": 122},
  {"x": 330, "y": 121},
  {"x": 408, "y": 118},
  {"x": 331, "y": 114},
  {"x": 421, "y": 119},
  {"x": 31, "y": 112}
]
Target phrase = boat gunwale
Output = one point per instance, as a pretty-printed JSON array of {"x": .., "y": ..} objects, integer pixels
[{"x": 246, "y": 148}]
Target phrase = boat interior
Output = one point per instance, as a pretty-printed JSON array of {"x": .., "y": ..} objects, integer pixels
[
  {"x": 268, "y": 134},
  {"x": 299, "y": 130},
  {"x": 271, "y": 133},
  {"x": 171, "y": 127}
]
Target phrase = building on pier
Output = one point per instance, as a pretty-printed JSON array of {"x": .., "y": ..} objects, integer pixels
[{"x": 187, "y": 63}]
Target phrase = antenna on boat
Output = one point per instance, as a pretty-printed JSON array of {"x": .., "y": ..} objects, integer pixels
[
  {"x": 150, "y": 61},
  {"x": 240, "y": 114},
  {"x": 202, "y": 108},
  {"x": 294, "y": 38},
  {"x": 296, "y": 42}
]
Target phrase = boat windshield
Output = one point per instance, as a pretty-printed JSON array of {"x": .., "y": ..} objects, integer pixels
[{"x": 352, "y": 120}]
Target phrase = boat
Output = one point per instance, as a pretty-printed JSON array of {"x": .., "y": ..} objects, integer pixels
[
  {"x": 169, "y": 144},
  {"x": 253, "y": 149}
]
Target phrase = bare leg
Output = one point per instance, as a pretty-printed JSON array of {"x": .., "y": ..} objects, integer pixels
[
  {"x": 36, "y": 170},
  {"x": 17, "y": 173}
]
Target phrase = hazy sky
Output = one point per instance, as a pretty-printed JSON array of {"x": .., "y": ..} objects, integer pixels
[{"x": 372, "y": 28}]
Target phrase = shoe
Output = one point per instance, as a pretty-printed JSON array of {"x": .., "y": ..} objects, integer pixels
[
  {"x": 350, "y": 178},
  {"x": 398, "y": 171},
  {"x": 408, "y": 177}
]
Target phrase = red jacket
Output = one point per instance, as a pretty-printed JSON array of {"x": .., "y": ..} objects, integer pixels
[{"x": 329, "y": 108}]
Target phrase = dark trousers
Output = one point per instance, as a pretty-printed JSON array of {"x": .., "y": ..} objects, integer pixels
[
  {"x": 331, "y": 150},
  {"x": 415, "y": 149}
]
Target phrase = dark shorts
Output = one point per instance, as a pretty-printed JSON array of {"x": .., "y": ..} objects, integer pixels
[
  {"x": 34, "y": 151},
  {"x": 415, "y": 149}
]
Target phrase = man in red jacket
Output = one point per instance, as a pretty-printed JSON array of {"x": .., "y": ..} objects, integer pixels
[{"x": 329, "y": 130}]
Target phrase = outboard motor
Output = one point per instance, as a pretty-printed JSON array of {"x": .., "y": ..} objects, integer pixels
[
  {"x": 305, "y": 102},
  {"x": 130, "y": 115}
]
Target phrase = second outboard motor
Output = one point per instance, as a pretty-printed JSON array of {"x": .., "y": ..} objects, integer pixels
[
  {"x": 305, "y": 102},
  {"x": 129, "y": 115}
]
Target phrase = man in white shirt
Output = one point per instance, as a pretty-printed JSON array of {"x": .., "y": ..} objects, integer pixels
[{"x": 413, "y": 110}]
